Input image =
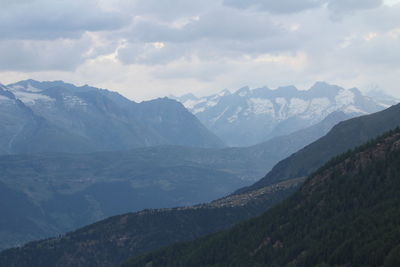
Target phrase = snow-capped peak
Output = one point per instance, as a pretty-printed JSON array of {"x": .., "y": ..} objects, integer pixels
[{"x": 271, "y": 112}]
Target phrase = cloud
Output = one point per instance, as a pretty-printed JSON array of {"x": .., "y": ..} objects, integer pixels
[
  {"x": 219, "y": 33},
  {"x": 48, "y": 19},
  {"x": 345, "y": 6},
  {"x": 168, "y": 10},
  {"x": 17, "y": 55},
  {"x": 289, "y": 6},
  {"x": 282, "y": 6},
  {"x": 151, "y": 53},
  {"x": 168, "y": 46},
  {"x": 217, "y": 24}
]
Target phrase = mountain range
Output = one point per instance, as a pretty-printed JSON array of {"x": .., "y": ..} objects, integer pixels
[
  {"x": 111, "y": 240},
  {"x": 61, "y": 117},
  {"x": 65, "y": 191},
  {"x": 250, "y": 116}
]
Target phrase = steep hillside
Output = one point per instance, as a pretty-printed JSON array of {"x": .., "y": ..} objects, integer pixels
[
  {"x": 344, "y": 136},
  {"x": 67, "y": 118},
  {"x": 346, "y": 214},
  {"x": 251, "y": 116},
  {"x": 114, "y": 240}
]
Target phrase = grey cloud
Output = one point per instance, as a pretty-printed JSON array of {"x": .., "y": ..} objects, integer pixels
[
  {"x": 42, "y": 55},
  {"x": 344, "y": 6},
  {"x": 281, "y": 6},
  {"x": 218, "y": 24},
  {"x": 47, "y": 19},
  {"x": 289, "y": 6},
  {"x": 171, "y": 9},
  {"x": 220, "y": 33}
]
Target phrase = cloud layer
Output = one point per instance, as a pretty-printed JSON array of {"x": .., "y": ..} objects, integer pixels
[{"x": 148, "y": 48}]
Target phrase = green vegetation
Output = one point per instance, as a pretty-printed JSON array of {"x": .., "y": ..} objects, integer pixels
[
  {"x": 114, "y": 240},
  {"x": 346, "y": 214}
]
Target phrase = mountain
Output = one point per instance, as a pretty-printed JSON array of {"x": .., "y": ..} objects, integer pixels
[
  {"x": 61, "y": 117},
  {"x": 250, "y": 116},
  {"x": 345, "y": 214},
  {"x": 67, "y": 191},
  {"x": 344, "y": 136},
  {"x": 80, "y": 247},
  {"x": 112, "y": 241},
  {"x": 24, "y": 131}
]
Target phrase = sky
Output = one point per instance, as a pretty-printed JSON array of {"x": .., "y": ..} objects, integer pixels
[{"x": 152, "y": 48}]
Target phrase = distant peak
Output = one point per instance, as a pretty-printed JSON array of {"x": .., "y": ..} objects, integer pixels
[
  {"x": 243, "y": 91},
  {"x": 288, "y": 89},
  {"x": 224, "y": 92},
  {"x": 184, "y": 97},
  {"x": 324, "y": 88},
  {"x": 189, "y": 95},
  {"x": 356, "y": 91},
  {"x": 320, "y": 84}
]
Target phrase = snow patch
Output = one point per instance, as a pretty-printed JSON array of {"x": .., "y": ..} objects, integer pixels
[
  {"x": 198, "y": 110},
  {"x": 344, "y": 98},
  {"x": 261, "y": 106},
  {"x": 319, "y": 107},
  {"x": 353, "y": 109},
  {"x": 223, "y": 93},
  {"x": 32, "y": 89},
  {"x": 73, "y": 101},
  {"x": 31, "y": 98},
  {"x": 220, "y": 115},
  {"x": 234, "y": 117},
  {"x": 282, "y": 105},
  {"x": 190, "y": 104},
  {"x": 28, "y": 88},
  {"x": 297, "y": 106},
  {"x": 211, "y": 103}
]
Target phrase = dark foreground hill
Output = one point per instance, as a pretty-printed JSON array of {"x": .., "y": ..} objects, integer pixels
[{"x": 346, "y": 214}]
